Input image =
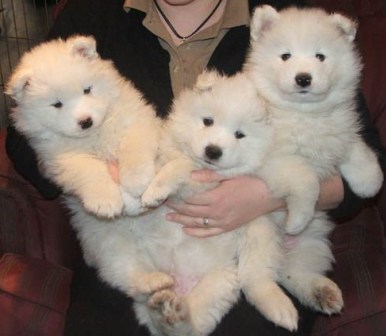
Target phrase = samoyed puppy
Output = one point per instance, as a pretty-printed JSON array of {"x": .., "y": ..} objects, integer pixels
[
  {"x": 79, "y": 114},
  {"x": 305, "y": 64},
  {"x": 222, "y": 125}
]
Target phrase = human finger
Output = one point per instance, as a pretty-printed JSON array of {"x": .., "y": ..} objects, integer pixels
[
  {"x": 206, "y": 176},
  {"x": 191, "y": 222},
  {"x": 196, "y": 226},
  {"x": 193, "y": 209},
  {"x": 203, "y": 233}
]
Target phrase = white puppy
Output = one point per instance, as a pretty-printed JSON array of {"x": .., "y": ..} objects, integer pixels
[
  {"x": 304, "y": 63},
  {"x": 80, "y": 114},
  {"x": 222, "y": 125}
]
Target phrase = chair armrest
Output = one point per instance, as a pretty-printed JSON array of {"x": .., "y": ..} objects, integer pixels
[
  {"x": 29, "y": 224},
  {"x": 34, "y": 296}
]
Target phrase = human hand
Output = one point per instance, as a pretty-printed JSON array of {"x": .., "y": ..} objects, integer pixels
[{"x": 234, "y": 202}]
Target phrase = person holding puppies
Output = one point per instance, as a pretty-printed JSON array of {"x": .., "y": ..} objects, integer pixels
[{"x": 162, "y": 46}]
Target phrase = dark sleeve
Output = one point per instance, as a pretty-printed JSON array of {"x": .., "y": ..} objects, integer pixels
[
  {"x": 351, "y": 202},
  {"x": 81, "y": 17},
  {"x": 24, "y": 160},
  {"x": 86, "y": 17}
]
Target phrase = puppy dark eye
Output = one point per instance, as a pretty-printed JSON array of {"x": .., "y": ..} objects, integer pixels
[
  {"x": 320, "y": 57},
  {"x": 87, "y": 90},
  {"x": 58, "y": 104},
  {"x": 207, "y": 122},
  {"x": 285, "y": 56},
  {"x": 239, "y": 135}
]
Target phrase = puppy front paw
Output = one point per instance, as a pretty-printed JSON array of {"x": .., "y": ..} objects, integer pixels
[
  {"x": 132, "y": 205},
  {"x": 297, "y": 221},
  {"x": 102, "y": 200},
  {"x": 155, "y": 195},
  {"x": 135, "y": 180},
  {"x": 363, "y": 184}
]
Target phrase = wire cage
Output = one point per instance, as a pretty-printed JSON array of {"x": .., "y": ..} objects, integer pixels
[{"x": 23, "y": 24}]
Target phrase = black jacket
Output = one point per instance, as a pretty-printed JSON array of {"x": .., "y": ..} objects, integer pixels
[{"x": 138, "y": 55}]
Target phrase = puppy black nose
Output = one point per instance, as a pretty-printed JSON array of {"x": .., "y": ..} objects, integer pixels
[
  {"x": 85, "y": 123},
  {"x": 213, "y": 152},
  {"x": 303, "y": 79}
]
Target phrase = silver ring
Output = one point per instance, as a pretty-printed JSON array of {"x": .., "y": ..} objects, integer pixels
[{"x": 205, "y": 222}]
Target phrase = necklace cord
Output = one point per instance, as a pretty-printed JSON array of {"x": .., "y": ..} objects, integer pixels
[{"x": 195, "y": 31}]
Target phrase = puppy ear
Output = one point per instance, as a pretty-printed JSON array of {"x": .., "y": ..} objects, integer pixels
[
  {"x": 84, "y": 46},
  {"x": 18, "y": 83},
  {"x": 346, "y": 25},
  {"x": 262, "y": 19},
  {"x": 206, "y": 80}
]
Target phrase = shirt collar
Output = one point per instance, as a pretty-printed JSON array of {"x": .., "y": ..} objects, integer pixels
[{"x": 236, "y": 12}]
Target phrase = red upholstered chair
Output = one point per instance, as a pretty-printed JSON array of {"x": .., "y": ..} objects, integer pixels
[
  {"x": 359, "y": 243},
  {"x": 37, "y": 251}
]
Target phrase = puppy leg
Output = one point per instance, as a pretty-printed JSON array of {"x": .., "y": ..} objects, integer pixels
[
  {"x": 200, "y": 311},
  {"x": 132, "y": 205},
  {"x": 260, "y": 259},
  {"x": 315, "y": 291},
  {"x": 147, "y": 283},
  {"x": 307, "y": 260},
  {"x": 164, "y": 314},
  {"x": 290, "y": 177},
  {"x": 136, "y": 156},
  {"x": 211, "y": 299},
  {"x": 362, "y": 170},
  {"x": 111, "y": 247},
  {"x": 170, "y": 178},
  {"x": 170, "y": 313},
  {"x": 89, "y": 179}
]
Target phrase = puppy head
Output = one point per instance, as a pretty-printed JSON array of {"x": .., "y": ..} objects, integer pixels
[
  {"x": 303, "y": 56},
  {"x": 62, "y": 86},
  {"x": 77, "y": 46},
  {"x": 222, "y": 125}
]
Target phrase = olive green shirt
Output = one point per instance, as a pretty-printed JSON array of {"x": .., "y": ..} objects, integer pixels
[{"x": 190, "y": 58}]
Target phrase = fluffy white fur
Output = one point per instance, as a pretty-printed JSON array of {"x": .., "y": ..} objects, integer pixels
[
  {"x": 183, "y": 285},
  {"x": 79, "y": 114},
  {"x": 223, "y": 125},
  {"x": 304, "y": 63}
]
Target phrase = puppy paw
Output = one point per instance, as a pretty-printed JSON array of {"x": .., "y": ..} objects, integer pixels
[
  {"x": 148, "y": 283},
  {"x": 362, "y": 171},
  {"x": 276, "y": 307},
  {"x": 370, "y": 187},
  {"x": 173, "y": 309},
  {"x": 103, "y": 201},
  {"x": 282, "y": 312},
  {"x": 328, "y": 297},
  {"x": 155, "y": 195},
  {"x": 298, "y": 221},
  {"x": 132, "y": 205},
  {"x": 135, "y": 180}
]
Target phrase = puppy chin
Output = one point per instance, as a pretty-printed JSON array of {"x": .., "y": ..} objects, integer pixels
[
  {"x": 75, "y": 133},
  {"x": 304, "y": 97}
]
